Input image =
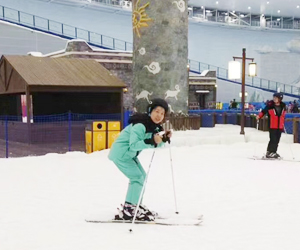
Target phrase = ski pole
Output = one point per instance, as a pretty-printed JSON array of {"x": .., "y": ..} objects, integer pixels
[
  {"x": 173, "y": 179},
  {"x": 142, "y": 192},
  {"x": 289, "y": 144},
  {"x": 257, "y": 124}
]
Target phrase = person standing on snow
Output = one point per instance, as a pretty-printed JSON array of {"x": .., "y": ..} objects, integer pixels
[
  {"x": 276, "y": 111},
  {"x": 141, "y": 133}
]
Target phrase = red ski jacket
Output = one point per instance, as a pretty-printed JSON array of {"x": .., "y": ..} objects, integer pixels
[{"x": 276, "y": 119}]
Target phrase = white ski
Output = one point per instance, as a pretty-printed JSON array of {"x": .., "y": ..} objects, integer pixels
[
  {"x": 160, "y": 222},
  {"x": 264, "y": 158}
]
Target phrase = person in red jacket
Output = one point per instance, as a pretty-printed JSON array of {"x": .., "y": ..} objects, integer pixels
[{"x": 276, "y": 111}]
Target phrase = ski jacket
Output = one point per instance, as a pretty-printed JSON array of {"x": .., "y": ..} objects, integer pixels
[
  {"x": 276, "y": 119},
  {"x": 134, "y": 138}
]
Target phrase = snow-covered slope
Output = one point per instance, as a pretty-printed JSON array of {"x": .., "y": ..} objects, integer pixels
[{"x": 247, "y": 204}]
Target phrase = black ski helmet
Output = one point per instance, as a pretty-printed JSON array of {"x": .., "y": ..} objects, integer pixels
[
  {"x": 158, "y": 102},
  {"x": 278, "y": 95}
]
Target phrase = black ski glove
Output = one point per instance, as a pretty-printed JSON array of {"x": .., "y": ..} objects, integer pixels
[
  {"x": 151, "y": 141},
  {"x": 166, "y": 138}
]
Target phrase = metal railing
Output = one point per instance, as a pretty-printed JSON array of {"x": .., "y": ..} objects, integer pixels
[
  {"x": 61, "y": 29},
  {"x": 70, "y": 32},
  {"x": 255, "y": 82}
]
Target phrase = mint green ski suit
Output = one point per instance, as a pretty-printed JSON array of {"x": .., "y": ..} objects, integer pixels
[{"x": 124, "y": 153}]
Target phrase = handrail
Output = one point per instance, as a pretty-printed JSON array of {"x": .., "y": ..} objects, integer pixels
[
  {"x": 255, "y": 82},
  {"x": 69, "y": 32}
]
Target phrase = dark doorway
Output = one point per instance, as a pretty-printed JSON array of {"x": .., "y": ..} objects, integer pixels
[
  {"x": 202, "y": 100},
  {"x": 76, "y": 102}
]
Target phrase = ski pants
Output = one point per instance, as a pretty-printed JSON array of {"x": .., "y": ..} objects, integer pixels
[
  {"x": 134, "y": 171},
  {"x": 275, "y": 135}
]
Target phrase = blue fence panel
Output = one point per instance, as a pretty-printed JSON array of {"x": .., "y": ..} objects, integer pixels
[
  {"x": 232, "y": 118},
  {"x": 288, "y": 127},
  {"x": 219, "y": 118},
  {"x": 247, "y": 121},
  {"x": 126, "y": 118},
  {"x": 207, "y": 120}
]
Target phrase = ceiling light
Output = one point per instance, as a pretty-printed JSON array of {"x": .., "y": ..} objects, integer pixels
[
  {"x": 202, "y": 91},
  {"x": 298, "y": 6},
  {"x": 278, "y": 11},
  {"x": 249, "y": 8},
  {"x": 217, "y": 2},
  {"x": 268, "y": 2},
  {"x": 202, "y": 7}
]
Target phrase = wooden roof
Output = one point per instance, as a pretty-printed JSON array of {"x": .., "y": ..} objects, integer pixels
[{"x": 45, "y": 71}]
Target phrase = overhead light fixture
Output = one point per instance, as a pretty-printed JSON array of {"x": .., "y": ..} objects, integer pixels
[
  {"x": 217, "y": 2},
  {"x": 202, "y": 91},
  {"x": 202, "y": 7},
  {"x": 268, "y": 2},
  {"x": 249, "y": 8},
  {"x": 298, "y": 6},
  {"x": 234, "y": 70},
  {"x": 252, "y": 69},
  {"x": 246, "y": 94},
  {"x": 278, "y": 11}
]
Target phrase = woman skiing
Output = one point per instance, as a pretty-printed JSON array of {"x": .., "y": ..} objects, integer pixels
[
  {"x": 141, "y": 133},
  {"x": 276, "y": 111}
]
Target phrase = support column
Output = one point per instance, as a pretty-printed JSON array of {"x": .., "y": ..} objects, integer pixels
[{"x": 160, "y": 53}]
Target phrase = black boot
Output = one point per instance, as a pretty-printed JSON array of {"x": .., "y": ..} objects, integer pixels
[
  {"x": 268, "y": 154},
  {"x": 128, "y": 211}
]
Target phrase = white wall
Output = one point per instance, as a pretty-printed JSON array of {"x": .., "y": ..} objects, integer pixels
[
  {"x": 207, "y": 43},
  {"x": 286, "y": 64},
  {"x": 227, "y": 91}
]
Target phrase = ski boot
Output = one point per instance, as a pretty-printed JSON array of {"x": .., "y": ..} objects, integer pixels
[{"x": 128, "y": 211}]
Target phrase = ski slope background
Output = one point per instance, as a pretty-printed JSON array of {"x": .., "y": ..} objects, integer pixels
[{"x": 247, "y": 204}]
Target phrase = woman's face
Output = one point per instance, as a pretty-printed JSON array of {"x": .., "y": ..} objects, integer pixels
[
  {"x": 157, "y": 115},
  {"x": 276, "y": 99}
]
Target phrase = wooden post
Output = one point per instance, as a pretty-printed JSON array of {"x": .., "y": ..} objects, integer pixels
[
  {"x": 28, "y": 110},
  {"x": 122, "y": 107},
  {"x": 200, "y": 116},
  {"x": 243, "y": 93},
  {"x": 224, "y": 118}
]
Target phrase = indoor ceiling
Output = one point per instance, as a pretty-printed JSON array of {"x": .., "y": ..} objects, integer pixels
[{"x": 286, "y": 8}]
